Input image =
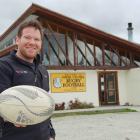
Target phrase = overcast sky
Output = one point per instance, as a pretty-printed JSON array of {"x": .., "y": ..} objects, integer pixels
[{"x": 111, "y": 16}]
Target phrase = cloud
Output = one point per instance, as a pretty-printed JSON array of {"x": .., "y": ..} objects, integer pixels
[{"x": 110, "y": 16}]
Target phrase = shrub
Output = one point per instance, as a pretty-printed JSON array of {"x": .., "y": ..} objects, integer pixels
[
  {"x": 76, "y": 104},
  {"x": 60, "y": 106}
]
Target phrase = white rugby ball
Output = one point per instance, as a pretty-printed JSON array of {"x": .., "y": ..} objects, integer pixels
[{"x": 26, "y": 105}]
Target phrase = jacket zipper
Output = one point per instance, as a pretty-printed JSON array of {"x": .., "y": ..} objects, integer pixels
[{"x": 35, "y": 80}]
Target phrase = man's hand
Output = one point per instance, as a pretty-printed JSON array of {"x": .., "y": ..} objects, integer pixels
[
  {"x": 51, "y": 138},
  {"x": 17, "y": 125}
]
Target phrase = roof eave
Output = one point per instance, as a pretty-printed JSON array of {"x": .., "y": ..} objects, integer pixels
[{"x": 107, "y": 38}]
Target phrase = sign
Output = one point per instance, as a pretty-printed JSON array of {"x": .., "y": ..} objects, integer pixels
[{"x": 68, "y": 82}]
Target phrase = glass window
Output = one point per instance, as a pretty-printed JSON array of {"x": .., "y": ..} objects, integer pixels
[
  {"x": 98, "y": 54},
  {"x": 70, "y": 49}
]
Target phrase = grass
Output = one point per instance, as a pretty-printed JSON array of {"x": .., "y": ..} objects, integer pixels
[{"x": 92, "y": 112}]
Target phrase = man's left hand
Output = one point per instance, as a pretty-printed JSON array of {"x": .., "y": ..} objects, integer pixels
[{"x": 51, "y": 138}]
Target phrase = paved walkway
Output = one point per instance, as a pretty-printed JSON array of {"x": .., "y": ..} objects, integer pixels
[{"x": 111, "y": 126}]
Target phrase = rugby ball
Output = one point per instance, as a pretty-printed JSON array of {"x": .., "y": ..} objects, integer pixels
[{"x": 26, "y": 105}]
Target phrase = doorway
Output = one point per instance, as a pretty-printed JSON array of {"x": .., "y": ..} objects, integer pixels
[{"x": 108, "y": 88}]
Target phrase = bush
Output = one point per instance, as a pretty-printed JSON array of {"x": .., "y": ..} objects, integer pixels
[
  {"x": 76, "y": 104},
  {"x": 60, "y": 106},
  {"x": 73, "y": 104}
]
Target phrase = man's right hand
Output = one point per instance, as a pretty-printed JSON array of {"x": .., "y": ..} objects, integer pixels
[
  {"x": 18, "y": 125},
  {"x": 51, "y": 138}
]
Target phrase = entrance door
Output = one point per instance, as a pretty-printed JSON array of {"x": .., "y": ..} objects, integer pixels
[{"x": 108, "y": 88}]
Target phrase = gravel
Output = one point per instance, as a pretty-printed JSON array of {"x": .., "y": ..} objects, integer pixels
[{"x": 116, "y": 126}]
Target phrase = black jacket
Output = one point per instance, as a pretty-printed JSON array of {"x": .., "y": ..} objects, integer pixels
[{"x": 13, "y": 72}]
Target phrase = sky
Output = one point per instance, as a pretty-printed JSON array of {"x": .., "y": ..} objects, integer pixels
[{"x": 111, "y": 16}]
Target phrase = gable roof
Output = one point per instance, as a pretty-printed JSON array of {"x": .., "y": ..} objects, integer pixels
[{"x": 76, "y": 25}]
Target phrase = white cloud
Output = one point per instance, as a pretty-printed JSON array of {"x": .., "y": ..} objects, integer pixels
[{"x": 108, "y": 15}]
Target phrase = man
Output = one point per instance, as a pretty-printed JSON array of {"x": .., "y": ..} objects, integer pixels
[{"x": 22, "y": 67}]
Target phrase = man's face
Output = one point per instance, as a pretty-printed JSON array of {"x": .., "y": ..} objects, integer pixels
[{"x": 29, "y": 44}]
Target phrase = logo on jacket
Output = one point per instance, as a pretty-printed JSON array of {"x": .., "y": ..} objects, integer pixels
[
  {"x": 45, "y": 76},
  {"x": 22, "y": 71}
]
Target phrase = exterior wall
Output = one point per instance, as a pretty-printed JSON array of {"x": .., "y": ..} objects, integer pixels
[
  {"x": 122, "y": 87},
  {"x": 91, "y": 94},
  {"x": 128, "y": 87},
  {"x": 133, "y": 86}
]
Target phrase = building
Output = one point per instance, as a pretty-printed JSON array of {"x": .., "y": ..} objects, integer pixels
[{"x": 83, "y": 62}]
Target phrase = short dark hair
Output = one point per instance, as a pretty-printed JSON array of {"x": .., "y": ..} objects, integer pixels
[{"x": 32, "y": 23}]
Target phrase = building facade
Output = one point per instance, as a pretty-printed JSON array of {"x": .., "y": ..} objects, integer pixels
[{"x": 83, "y": 62}]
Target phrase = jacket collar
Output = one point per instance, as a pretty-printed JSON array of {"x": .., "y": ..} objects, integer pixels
[{"x": 36, "y": 60}]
